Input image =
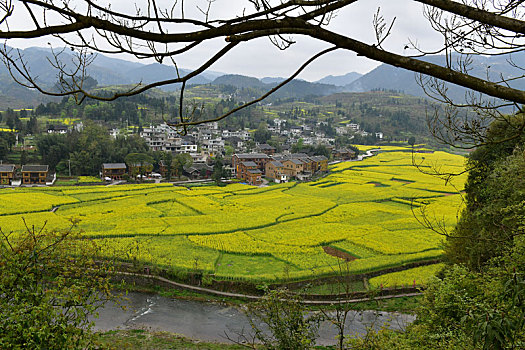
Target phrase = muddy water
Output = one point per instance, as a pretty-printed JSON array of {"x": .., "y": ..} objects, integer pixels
[{"x": 212, "y": 321}]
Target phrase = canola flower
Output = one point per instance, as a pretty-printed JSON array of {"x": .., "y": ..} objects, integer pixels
[{"x": 367, "y": 209}]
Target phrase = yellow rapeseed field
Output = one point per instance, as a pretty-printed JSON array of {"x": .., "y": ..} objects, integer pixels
[{"x": 365, "y": 209}]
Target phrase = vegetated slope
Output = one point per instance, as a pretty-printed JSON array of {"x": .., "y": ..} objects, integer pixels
[
  {"x": 391, "y": 112},
  {"x": 260, "y": 234}
]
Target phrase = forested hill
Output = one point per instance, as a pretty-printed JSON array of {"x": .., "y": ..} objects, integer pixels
[
  {"x": 105, "y": 71},
  {"x": 397, "y": 115}
]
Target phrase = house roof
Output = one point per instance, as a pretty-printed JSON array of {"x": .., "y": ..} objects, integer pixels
[
  {"x": 251, "y": 155},
  {"x": 344, "y": 150},
  {"x": 266, "y": 146},
  {"x": 254, "y": 171},
  {"x": 113, "y": 166},
  {"x": 35, "y": 168},
  {"x": 295, "y": 161},
  {"x": 249, "y": 164},
  {"x": 234, "y": 139},
  {"x": 277, "y": 163},
  {"x": 198, "y": 167},
  {"x": 7, "y": 168}
]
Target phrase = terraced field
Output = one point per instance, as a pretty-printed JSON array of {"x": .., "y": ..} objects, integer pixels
[{"x": 363, "y": 210}]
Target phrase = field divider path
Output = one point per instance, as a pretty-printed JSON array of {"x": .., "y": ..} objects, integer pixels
[{"x": 258, "y": 297}]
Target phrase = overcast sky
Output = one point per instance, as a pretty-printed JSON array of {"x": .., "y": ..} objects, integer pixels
[{"x": 260, "y": 58}]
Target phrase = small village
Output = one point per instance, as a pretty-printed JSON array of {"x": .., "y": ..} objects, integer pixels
[{"x": 241, "y": 156}]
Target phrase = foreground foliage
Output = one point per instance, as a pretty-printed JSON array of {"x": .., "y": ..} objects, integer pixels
[
  {"x": 48, "y": 289},
  {"x": 280, "y": 322}
]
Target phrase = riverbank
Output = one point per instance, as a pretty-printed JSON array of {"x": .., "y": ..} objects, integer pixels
[{"x": 218, "y": 322}]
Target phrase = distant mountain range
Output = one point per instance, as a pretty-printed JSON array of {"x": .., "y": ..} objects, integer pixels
[
  {"x": 389, "y": 77},
  {"x": 114, "y": 71},
  {"x": 340, "y": 80}
]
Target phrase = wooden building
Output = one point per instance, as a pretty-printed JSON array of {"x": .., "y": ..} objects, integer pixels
[
  {"x": 249, "y": 172},
  {"x": 198, "y": 171},
  {"x": 7, "y": 174},
  {"x": 266, "y": 149},
  {"x": 292, "y": 167},
  {"x": 319, "y": 163},
  {"x": 254, "y": 176},
  {"x": 344, "y": 154},
  {"x": 34, "y": 174},
  {"x": 275, "y": 171},
  {"x": 113, "y": 171},
  {"x": 260, "y": 159}
]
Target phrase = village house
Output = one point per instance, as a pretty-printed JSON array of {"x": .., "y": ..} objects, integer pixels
[
  {"x": 292, "y": 167},
  {"x": 198, "y": 171},
  {"x": 34, "y": 174},
  {"x": 254, "y": 177},
  {"x": 7, "y": 174},
  {"x": 320, "y": 163},
  {"x": 343, "y": 154},
  {"x": 113, "y": 171},
  {"x": 260, "y": 159},
  {"x": 266, "y": 149},
  {"x": 275, "y": 171},
  {"x": 249, "y": 172},
  {"x": 59, "y": 129}
]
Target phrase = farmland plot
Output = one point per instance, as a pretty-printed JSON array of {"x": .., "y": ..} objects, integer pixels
[{"x": 364, "y": 209}]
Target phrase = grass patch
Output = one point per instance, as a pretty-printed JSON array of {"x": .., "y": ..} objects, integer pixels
[{"x": 149, "y": 340}]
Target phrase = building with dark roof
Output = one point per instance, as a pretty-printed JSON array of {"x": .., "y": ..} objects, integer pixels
[
  {"x": 266, "y": 149},
  {"x": 275, "y": 171},
  {"x": 248, "y": 171},
  {"x": 253, "y": 176},
  {"x": 114, "y": 171},
  {"x": 34, "y": 174},
  {"x": 7, "y": 174},
  {"x": 258, "y": 158}
]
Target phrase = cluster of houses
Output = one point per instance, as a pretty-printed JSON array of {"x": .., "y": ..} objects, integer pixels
[
  {"x": 10, "y": 175},
  {"x": 251, "y": 167},
  {"x": 209, "y": 140},
  {"x": 200, "y": 143},
  {"x": 205, "y": 142}
]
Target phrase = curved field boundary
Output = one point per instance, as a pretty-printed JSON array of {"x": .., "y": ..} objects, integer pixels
[{"x": 166, "y": 282}]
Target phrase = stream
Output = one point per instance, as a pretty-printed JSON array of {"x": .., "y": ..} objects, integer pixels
[{"x": 212, "y": 321}]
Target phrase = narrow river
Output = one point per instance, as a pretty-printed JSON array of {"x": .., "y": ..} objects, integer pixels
[{"x": 212, "y": 321}]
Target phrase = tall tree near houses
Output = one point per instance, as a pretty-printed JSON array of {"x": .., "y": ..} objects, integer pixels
[
  {"x": 168, "y": 163},
  {"x": 140, "y": 163},
  {"x": 149, "y": 30},
  {"x": 181, "y": 161}
]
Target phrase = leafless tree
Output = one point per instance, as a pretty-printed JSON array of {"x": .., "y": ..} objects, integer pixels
[{"x": 164, "y": 32}]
